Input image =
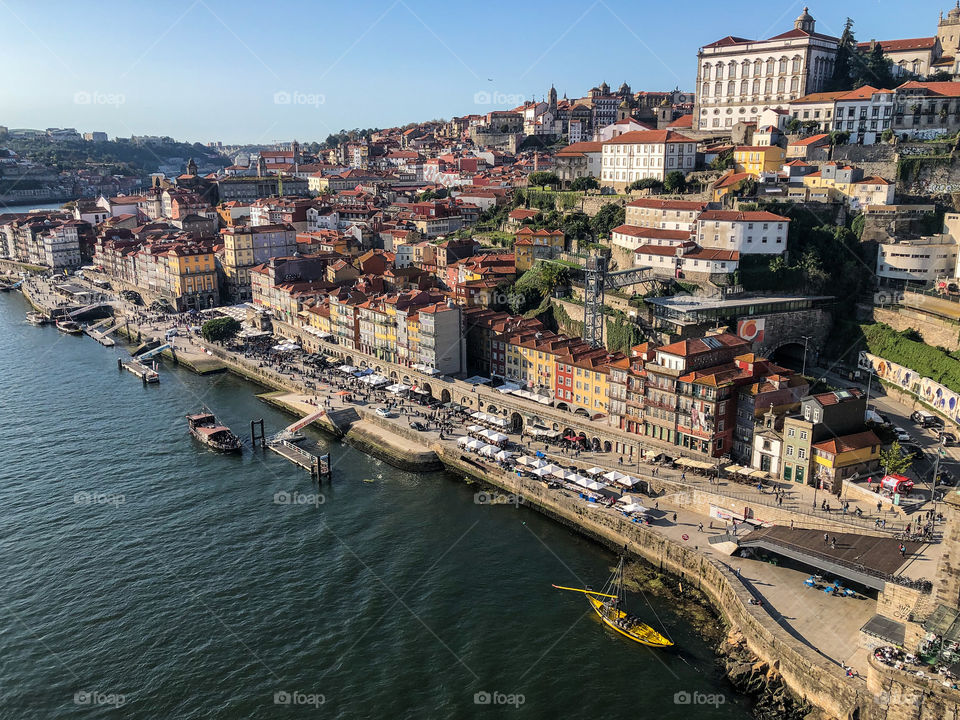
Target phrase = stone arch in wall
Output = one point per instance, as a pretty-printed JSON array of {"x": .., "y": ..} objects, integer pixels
[
  {"x": 492, "y": 409},
  {"x": 393, "y": 375},
  {"x": 428, "y": 388},
  {"x": 445, "y": 395},
  {"x": 516, "y": 423}
]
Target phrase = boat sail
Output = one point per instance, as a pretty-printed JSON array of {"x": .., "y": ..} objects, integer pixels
[{"x": 608, "y": 605}]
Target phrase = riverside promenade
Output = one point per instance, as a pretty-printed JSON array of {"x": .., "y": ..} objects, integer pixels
[{"x": 803, "y": 635}]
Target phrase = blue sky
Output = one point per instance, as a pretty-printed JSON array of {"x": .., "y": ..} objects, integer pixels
[{"x": 261, "y": 72}]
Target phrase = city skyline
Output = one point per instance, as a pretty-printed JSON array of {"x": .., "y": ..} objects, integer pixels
[{"x": 206, "y": 71}]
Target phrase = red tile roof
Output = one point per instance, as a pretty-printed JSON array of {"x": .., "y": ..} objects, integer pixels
[
  {"x": 812, "y": 140},
  {"x": 943, "y": 89},
  {"x": 647, "y": 232},
  {"x": 645, "y": 137},
  {"x": 656, "y": 204},
  {"x": 923, "y": 43}
]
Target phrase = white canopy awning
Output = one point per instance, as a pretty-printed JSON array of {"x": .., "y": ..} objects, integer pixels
[
  {"x": 504, "y": 455},
  {"x": 348, "y": 369},
  {"x": 461, "y": 441},
  {"x": 508, "y": 388},
  {"x": 594, "y": 485},
  {"x": 629, "y": 481},
  {"x": 489, "y": 450},
  {"x": 476, "y": 444},
  {"x": 594, "y": 471},
  {"x": 614, "y": 476},
  {"x": 540, "y": 472},
  {"x": 475, "y": 428}
]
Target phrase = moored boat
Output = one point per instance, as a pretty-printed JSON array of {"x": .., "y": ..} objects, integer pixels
[
  {"x": 69, "y": 326},
  {"x": 204, "y": 427},
  {"x": 608, "y": 605},
  {"x": 35, "y": 318}
]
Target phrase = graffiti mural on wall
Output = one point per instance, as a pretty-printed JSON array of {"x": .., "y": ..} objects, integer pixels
[{"x": 931, "y": 392}]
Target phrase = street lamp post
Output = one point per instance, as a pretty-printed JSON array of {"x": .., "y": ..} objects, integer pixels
[{"x": 803, "y": 370}]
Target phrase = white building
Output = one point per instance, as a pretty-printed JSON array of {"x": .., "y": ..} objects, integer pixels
[
  {"x": 666, "y": 214},
  {"x": 645, "y": 154},
  {"x": 864, "y": 113},
  {"x": 752, "y": 233},
  {"x": 686, "y": 260},
  {"x": 633, "y": 236},
  {"x": 61, "y": 246},
  {"x": 737, "y": 78},
  {"x": 323, "y": 218},
  {"x": 441, "y": 346},
  {"x": 917, "y": 261}
]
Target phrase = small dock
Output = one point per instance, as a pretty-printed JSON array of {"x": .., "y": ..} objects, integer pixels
[
  {"x": 101, "y": 337},
  {"x": 146, "y": 373},
  {"x": 317, "y": 465}
]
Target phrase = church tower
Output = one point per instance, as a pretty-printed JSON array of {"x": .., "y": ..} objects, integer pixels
[
  {"x": 191, "y": 167},
  {"x": 805, "y": 22},
  {"x": 261, "y": 166},
  {"x": 296, "y": 152},
  {"x": 948, "y": 31},
  {"x": 552, "y": 98}
]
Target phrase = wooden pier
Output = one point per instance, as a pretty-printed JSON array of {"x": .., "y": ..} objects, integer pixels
[
  {"x": 101, "y": 337},
  {"x": 317, "y": 465},
  {"x": 144, "y": 372}
]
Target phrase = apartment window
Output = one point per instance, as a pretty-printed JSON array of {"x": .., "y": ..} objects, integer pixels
[
  {"x": 802, "y": 453},
  {"x": 789, "y": 450},
  {"x": 803, "y": 434}
]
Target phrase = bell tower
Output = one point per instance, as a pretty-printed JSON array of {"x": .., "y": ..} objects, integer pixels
[{"x": 805, "y": 22}]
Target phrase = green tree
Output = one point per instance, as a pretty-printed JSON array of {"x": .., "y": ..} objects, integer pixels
[
  {"x": 220, "y": 328},
  {"x": 843, "y": 64},
  {"x": 856, "y": 226},
  {"x": 793, "y": 127},
  {"x": 585, "y": 183},
  {"x": 839, "y": 137},
  {"x": 723, "y": 161},
  {"x": 607, "y": 218},
  {"x": 576, "y": 228},
  {"x": 674, "y": 182},
  {"x": 543, "y": 178},
  {"x": 645, "y": 184},
  {"x": 893, "y": 460}
]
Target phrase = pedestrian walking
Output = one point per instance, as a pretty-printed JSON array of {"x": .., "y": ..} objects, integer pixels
[
  {"x": 674, "y": 517},
  {"x": 700, "y": 527},
  {"x": 826, "y": 538}
]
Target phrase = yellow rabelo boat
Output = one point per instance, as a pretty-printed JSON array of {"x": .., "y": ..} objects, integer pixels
[{"x": 608, "y": 607}]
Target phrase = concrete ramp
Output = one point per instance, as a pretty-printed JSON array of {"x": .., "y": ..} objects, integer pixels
[
  {"x": 146, "y": 347},
  {"x": 725, "y": 543},
  {"x": 340, "y": 421}
]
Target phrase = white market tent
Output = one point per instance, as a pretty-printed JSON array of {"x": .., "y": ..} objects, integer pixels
[
  {"x": 504, "y": 455},
  {"x": 476, "y": 444},
  {"x": 614, "y": 476},
  {"x": 398, "y": 388},
  {"x": 629, "y": 481},
  {"x": 496, "y": 437},
  {"x": 594, "y": 471},
  {"x": 347, "y": 369},
  {"x": 526, "y": 461},
  {"x": 489, "y": 450},
  {"x": 540, "y": 472},
  {"x": 633, "y": 507},
  {"x": 475, "y": 428},
  {"x": 461, "y": 441},
  {"x": 594, "y": 485}
]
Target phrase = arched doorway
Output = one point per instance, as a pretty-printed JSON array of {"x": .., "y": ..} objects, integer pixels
[
  {"x": 516, "y": 423},
  {"x": 426, "y": 386},
  {"x": 393, "y": 374},
  {"x": 347, "y": 360},
  {"x": 378, "y": 368},
  {"x": 445, "y": 396},
  {"x": 563, "y": 406},
  {"x": 406, "y": 379},
  {"x": 363, "y": 363},
  {"x": 492, "y": 409},
  {"x": 582, "y": 411},
  {"x": 607, "y": 447}
]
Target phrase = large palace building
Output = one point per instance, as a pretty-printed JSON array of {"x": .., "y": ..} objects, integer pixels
[{"x": 738, "y": 78}]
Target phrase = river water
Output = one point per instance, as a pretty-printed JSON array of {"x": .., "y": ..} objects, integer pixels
[{"x": 142, "y": 576}]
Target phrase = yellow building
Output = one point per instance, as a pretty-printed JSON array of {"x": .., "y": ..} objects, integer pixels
[
  {"x": 756, "y": 159},
  {"x": 523, "y": 251},
  {"x": 729, "y": 182},
  {"x": 191, "y": 281},
  {"x": 841, "y": 457}
]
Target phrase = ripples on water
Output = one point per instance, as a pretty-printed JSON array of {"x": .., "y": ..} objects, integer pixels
[{"x": 182, "y": 586}]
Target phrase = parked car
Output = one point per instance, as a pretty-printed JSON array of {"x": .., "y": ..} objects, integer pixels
[
  {"x": 947, "y": 438},
  {"x": 419, "y": 426},
  {"x": 946, "y": 478},
  {"x": 923, "y": 418},
  {"x": 384, "y": 413},
  {"x": 902, "y": 435}
]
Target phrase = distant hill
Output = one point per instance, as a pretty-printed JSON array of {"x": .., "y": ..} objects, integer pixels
[{"x": 120, "y": 155}]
